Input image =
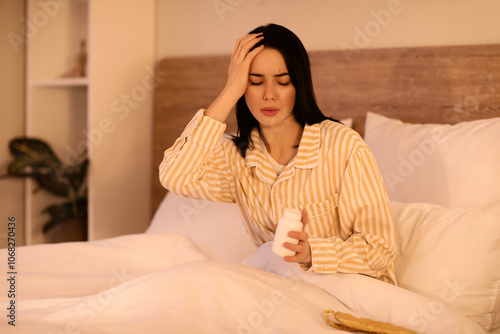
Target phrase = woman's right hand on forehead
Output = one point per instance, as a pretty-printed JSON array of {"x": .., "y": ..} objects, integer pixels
[
  {"x": 237, "y": 79},
  {"x": 239, "y": 67}
]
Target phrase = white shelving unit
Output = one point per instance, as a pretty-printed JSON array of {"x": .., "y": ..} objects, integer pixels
[
  {"x": 75, "y": 114},
  {"x": 63, "y": 82}
]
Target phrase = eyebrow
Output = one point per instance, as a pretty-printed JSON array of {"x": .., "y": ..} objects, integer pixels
[{"x": 276, "y": 75}]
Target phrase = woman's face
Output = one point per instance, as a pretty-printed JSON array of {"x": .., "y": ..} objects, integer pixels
[{"x": 270, "y": 94}]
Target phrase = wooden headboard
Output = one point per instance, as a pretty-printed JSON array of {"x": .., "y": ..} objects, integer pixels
[{"x": 416, "y": 85}]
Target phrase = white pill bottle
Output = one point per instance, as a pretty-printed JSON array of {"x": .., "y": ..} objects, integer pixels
[{"x": 290, "y": 221}]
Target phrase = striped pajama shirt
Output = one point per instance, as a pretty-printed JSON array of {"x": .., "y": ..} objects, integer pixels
[{"x": 333, "y": 176}]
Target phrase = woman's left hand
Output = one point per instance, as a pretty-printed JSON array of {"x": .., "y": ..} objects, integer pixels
[{"x": 302, "y": 249}]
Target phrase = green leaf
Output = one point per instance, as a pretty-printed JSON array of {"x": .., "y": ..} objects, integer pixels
[
  {"x": 28, "y": 165},
  {"x": 34, "y": 158},
  {"x": 52, "y": 183},
  {"x": 76, "y": 174},
  {"x": 22, "y": 146},
  {"x": 31, "y": 156}
]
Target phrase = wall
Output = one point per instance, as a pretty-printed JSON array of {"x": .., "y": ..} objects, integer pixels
[
  {"x": 123, "y": 35},
  {"x": 11, "y": 112},
  {"x": 190, "y": 27}
]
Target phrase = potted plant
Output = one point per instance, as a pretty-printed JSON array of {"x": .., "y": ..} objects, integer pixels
[{"x": 34, "y": 158}]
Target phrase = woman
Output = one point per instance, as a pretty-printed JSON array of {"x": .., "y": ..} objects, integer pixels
[{"x": 287, "y": 154}]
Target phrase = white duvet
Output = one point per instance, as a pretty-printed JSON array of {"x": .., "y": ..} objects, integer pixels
[{"x": 161, "y": 283}]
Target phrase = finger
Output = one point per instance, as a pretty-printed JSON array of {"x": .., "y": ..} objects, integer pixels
[
  {"x": 242, "y": 41},
  {"x": 294, "y": 258},
  {"x": 252, "y": 54},
  {"x": 244, "y": 45},
  {"x": 302, "y": 253},
  {"x": 298, "y": 257},
  {"x": 299, "y": 248},
  {"x": 301, "y": 236},
  {"x": 245, "y": 52},
  {"x": 248, "y": 37},
  {"x": 305, "y": 218},
  {"x": 245, "y": 39}
]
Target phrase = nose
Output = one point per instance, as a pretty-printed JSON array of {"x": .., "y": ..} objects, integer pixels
[{"x": 269, "y": 93}]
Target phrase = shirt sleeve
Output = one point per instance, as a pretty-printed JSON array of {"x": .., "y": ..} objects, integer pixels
[
  {"x": 366, "y": 244},
  {"x": 196, "y": 165}
]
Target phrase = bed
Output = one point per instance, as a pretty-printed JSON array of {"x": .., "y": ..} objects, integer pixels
[{"x": 432, "y": 119}]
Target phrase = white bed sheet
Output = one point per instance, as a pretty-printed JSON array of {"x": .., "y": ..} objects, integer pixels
[{"x": 161, "y": 283}]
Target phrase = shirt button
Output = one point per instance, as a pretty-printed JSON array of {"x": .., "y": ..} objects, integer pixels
[{"x": 280, "y": 206}]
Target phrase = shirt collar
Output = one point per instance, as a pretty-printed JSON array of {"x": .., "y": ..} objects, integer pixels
[{"x": 307, "y": 155}]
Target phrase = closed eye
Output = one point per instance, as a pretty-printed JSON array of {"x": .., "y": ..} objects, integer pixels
[{"x": 256, "y": 83}]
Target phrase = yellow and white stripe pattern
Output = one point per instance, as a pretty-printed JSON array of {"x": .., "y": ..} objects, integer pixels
[{"x": 333, "y": 176}]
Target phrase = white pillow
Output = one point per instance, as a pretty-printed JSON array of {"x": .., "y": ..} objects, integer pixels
[
  {"x": 215, "y": 228},
  {"x": 347, "y": 122},
  {"x": 450, "y": 165},
  {"x": 453, "y": 256}
]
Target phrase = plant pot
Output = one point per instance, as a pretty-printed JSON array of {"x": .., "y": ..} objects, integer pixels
[{"x": 70, "y": 230}]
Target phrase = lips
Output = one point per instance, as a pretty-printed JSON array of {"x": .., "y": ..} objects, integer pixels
[{"x": 269, "y": 111}]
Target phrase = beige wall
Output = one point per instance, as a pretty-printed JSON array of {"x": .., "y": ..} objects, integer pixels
[
  {"x": 11, "y": 112},
  {"x": 121, "y": 94},
  {"x": 189, "y": 27}
]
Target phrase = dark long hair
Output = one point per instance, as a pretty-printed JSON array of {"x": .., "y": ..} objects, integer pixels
[{"x": 306, "y": 110}]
